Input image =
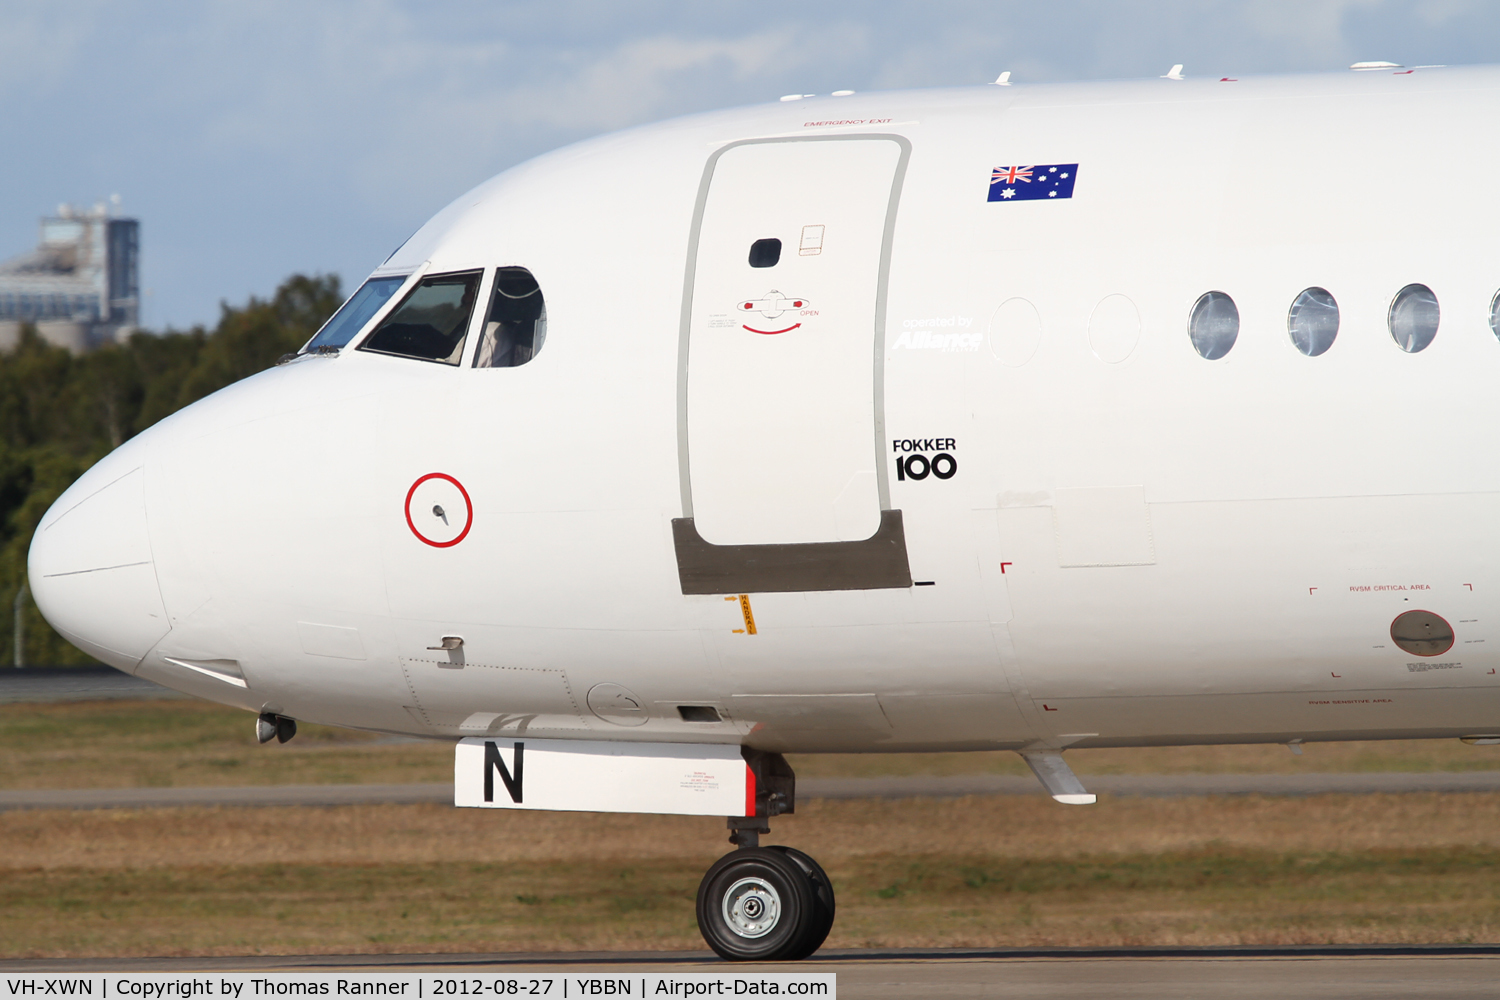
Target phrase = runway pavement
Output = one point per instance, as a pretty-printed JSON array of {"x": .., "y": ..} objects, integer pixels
[
  {"x": 1455, "y": 972},
  {"x": 1151, "y": 785},
  {"x": 75, "y": 684}
]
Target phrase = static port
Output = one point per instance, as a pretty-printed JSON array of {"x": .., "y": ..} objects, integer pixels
[{"x": 1422, "y": 633}]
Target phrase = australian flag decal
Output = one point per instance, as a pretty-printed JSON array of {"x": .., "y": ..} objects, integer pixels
[{"x": 1038, "y": 182}]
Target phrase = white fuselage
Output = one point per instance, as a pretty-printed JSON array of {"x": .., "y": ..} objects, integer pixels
[{"x": 1133, "y": 545}]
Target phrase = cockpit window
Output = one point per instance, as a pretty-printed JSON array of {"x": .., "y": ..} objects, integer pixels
[
  {"x": 516, "y": 324},
  {"x": 431, "y": 322},
  {"x": 355, "y": 313}
]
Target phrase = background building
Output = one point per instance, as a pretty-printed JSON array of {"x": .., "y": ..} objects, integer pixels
[{"x": 80, "y": 286}]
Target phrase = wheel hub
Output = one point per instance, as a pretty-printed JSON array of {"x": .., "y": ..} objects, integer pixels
[{"x": 752, "y": 908}]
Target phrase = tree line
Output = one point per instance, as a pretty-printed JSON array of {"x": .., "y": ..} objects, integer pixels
[{"x": 60, "y": 413}]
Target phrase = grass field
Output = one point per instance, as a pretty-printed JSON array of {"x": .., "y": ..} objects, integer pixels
[
  {"x": 122, "y": 744},
  {"x": 995, "y": 871},
  {"x": 978, "y": 872}
]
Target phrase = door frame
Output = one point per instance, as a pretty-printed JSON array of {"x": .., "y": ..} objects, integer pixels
[{"x": 877, "y": 562}]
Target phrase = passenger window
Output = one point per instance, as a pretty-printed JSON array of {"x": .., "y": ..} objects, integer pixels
[
  {"x": 1313, "y": 321},
  {"x": 516, "y": 324},
  {"x": 1214, "y": 325},
  {"x": 354, "y": 314},
  {"x": 430, "y": 324},
  {"x": 1413, "y": 318},
  {"x": 765, "y": 253},
  {"x": 1495, "y": 315}
]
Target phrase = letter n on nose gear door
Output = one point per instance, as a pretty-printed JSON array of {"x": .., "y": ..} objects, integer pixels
[{"x": 780, "y": 408}]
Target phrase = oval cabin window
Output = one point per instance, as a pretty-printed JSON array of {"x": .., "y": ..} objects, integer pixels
[
  {"x": 1413, "y": 318},
  {"x": 1495, "y": 315},
  {"x": 1214, "y": 325},
  {"x": 516, "y": 324},
  {"x": 1313, "y": 321}
]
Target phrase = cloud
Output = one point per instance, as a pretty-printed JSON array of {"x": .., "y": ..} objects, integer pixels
[
  {"x": 256, "y": 139},
  {"x": 40, "y": 43},
  {"x": 498, "y": 118}
]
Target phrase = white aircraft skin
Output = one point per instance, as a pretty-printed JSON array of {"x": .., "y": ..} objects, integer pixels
[
  {"x": 1137, "y": 546},
  {"x": 948, "y": 467}
]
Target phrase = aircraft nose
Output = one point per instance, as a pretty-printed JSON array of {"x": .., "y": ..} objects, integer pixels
[{"x": 91, "y": 569}]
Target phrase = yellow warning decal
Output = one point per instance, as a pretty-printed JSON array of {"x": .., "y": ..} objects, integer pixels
[{"x": 749, "y": 615}]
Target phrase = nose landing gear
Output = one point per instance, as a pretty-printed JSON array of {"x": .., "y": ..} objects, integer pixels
[{"x": 768, "y": 904}]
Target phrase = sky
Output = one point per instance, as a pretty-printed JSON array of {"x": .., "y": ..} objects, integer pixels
[{"x": 258, "y": 140}]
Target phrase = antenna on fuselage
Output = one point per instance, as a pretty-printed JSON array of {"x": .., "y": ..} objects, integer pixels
[
  {"x": 1175, "y": 73},
  {"x": 1003, "y": 80}
]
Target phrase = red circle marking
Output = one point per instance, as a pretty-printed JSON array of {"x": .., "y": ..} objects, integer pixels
[{"x": 468, "y": 504}]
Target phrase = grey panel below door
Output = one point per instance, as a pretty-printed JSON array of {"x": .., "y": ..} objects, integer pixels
[{"x": 874, "y": 563}]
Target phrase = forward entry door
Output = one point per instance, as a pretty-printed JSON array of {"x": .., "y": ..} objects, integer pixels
[{"x": 779, "y": 405}]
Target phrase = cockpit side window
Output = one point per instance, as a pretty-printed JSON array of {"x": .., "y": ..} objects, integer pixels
[
  {"x": 516, "y": 324},
  {"x": 354, "y": 314},
  {"x": 431, "y": 322}
]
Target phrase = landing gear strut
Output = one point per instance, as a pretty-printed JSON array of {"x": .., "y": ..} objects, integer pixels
[{"x": 769, "y": 904}]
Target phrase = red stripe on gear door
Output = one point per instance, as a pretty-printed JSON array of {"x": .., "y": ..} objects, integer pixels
[{"x": 749, "y": 791}]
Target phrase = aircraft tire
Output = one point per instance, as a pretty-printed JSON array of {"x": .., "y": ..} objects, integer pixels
[
  {"x": 759, "y": 904},
  {"x": 822, "y": 892}
]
